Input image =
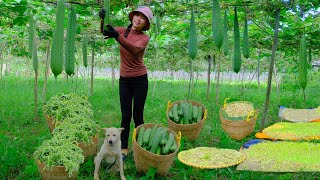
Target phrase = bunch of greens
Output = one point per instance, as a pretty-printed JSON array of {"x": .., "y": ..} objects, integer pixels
[
  {"x": 58, "y": 152},
  {"x": 62, "y": 106},
  {"x": 282, "y": 157},
  {"x": 73, "y": 117},
  {"x": 293, "y": 131},
  {"x": 78, "y": 129}
]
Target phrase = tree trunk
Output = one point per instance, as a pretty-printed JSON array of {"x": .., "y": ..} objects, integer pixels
[
  {"x": 276, "y": 76},
  {"x": 218, "y": 80},
  {"x": 36, "y": 117},
  {"x": 85, "y": 75},
  {"x": 172, "y": 74},
  {"x": 113, "y": 76},
  {"x": 7, "y": 66},
  {"x": 154, "y": 76},
  {"x": 258, "y": 70},
  {"x": 242, "y": 80},
  {"x": 274, "y": 48},
  {"x": 154, "y": 87},
  {"x": 239, "y": 77},
  {"x": 230, "y": 76},
  {"x": 44, "y": 91},
  {"x": 254, "y": 74},
  {"x": 92, "y": 67},
  {"x": 222, "y": 77},
  {"x": 76, "y": 77},
  {"x": 195, "y": 82},
  {"x": 190, "y": 80},
  {"x": 209, "y": 59},
  {"x": 1, "y": 64}
]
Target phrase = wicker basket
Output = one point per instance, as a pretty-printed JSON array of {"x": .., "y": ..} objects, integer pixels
[
  {"x": 238, "y": 129},
  {"x": 190, "y": 131},
  {"x": 56, "y": 172},
  {"x": 50, "y": 122},
  {"x": 90, "y": 149},
  {"x": 144, "y": 159}
]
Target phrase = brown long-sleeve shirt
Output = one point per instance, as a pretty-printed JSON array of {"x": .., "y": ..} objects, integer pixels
[{"x": 132, "y": 51}]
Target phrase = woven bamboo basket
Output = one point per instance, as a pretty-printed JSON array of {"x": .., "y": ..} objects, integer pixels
[
  {"x": 190, "y": 131},
  {"x": 51, "y": 122},
  {"x": 238, "y": 129},
  {"x": 144, "y": 159},
  {"x": 90, "y": 149},
  {"x": 56, "y": 172}
]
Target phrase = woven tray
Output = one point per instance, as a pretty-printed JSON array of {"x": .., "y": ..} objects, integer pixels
[
  {"x": 291, "y": 131},
  {"x": 210, "y": 157},
  {"x": 281, "y": 156},
  {"x": 299, "y": 115}
]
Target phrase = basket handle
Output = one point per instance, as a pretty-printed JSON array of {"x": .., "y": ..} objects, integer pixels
[
  {"x": 134, "y": 135},
  {"x": 252, "y": 113},
  {"x": 205, "y": 114},
  {"x": 257, "y": 112},
  {"x": 225, "y": 103},
  {"x": 178, "y": 137},
  {"x": 169, "y": 105},
  {"x": 56, "y": 124}
]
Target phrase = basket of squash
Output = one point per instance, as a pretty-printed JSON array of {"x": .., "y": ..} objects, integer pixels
[
  {"x": 154, "y": 146},
  {"x": 186, "y": 116}
]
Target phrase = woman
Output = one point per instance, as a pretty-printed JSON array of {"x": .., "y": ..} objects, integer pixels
[{"x": 133, "y": 82}]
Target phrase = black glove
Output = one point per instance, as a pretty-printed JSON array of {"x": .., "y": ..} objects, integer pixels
[
  {"x": 110, "y": 33},
  {"x": 102, "y": 13}
]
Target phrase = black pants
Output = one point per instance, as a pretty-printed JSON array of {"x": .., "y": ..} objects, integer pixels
[{"x": 132, "y": 89}]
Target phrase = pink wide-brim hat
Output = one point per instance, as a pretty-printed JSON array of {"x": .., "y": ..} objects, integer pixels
[{"x": 145, "y": 10}]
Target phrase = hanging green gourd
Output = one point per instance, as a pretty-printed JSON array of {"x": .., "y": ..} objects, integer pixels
[
  {"x": 157, "y": 26},
  {"x": 107, "y": 9},
  {"x": 58, "y": 40},
  {"x": 31, "y": 34},
  {"x": 303, "y": 64},
  {"x": 70, "y": 42},
  {"x": 192, "y": 41},
  {"x": 84, "y": 50},
  {"x": 225, "y": 35},
  {"x": 158, "y": 23},
  {"x": 236, "y": 51},
  {"x": 217, "y": 27},
  {"x": 245, "y": 39}
]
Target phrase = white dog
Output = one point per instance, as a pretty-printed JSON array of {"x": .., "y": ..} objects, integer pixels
[{"x": 111, "y": 151}]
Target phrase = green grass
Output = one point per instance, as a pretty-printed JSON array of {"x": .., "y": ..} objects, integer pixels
[{"x": 20, "y": 135}]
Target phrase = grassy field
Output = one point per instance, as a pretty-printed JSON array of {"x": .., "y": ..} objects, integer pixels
[{"x": 20, "y": 135}]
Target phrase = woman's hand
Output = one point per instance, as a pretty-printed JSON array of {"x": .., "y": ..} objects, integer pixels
[
  {"x": 102, "y": 13},
  {"x": 110, "y": 33}
]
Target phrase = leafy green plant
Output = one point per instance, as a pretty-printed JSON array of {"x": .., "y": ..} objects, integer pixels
[
  {"x": 282, "y": 156},
  {"x": 293, "y": 131},
  {"x": 60, "y": 152},
  {"x": 62, "y": 106},
  {"x": 78, "y": 129}
]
